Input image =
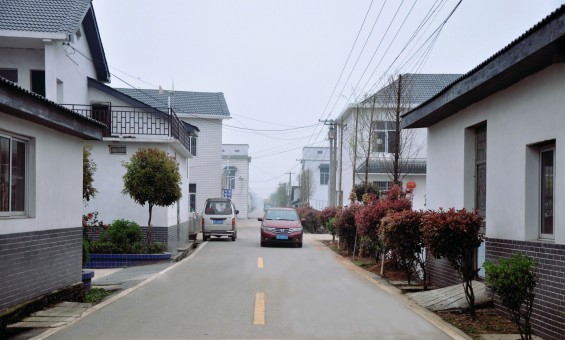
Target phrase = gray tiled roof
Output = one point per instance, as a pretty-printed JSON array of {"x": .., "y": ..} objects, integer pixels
[
  {"x": 382, "y": 166},
  {"x": 53, "y": 16},
  {"x": 423, "y": 86},
  {"x": 190, "y": 103}
]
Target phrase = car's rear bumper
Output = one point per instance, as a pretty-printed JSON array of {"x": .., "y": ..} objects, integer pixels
[
  {"x": 218, "y": 232},
  {"x": 270, "y": 237}
]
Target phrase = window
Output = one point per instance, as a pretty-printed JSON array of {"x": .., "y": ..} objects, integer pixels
[
  {"x": 117, "y": 149},
  {"x": 384, "y": 136},
  {"x": 192, "y": 194},
  {"x": 13, "y": 176},
  {"x": 38, "y": 82},
  {"x": 231, "y": 179},
  {"x": 481, "y": 170},
  {"x": 193, "y": 146},
  {"x": 324, "y": 174},
  {"x": 319, "y": 152},
  {"x": 218, "y": 208},
  {"x": 9, "y": 73},
  {"x": 547, "y": 160},
  {"x": 236, "y": 150}
]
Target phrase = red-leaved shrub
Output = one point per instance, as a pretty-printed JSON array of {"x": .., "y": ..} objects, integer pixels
[
  {"x": 345, "y": 224},
  {"x": 454, "y": 235},
  {"x": 325, "y": 216},
  {"x": 368, "y": 220},
  {"x": 401, "y": 232},
  {"x": 311, "y": 215}
]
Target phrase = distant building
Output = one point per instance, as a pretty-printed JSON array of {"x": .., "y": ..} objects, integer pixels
[
  {"x": 317, "y": 159},
  {"x": 235, "y": 175},
  {"x": 421, "y": 87}
]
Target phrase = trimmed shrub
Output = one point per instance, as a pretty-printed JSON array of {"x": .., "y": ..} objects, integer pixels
[
  {"x": 107, "y": 247},
  {"x": 359, "y": 190},
  {"x": 401, "y": 232},
  {"x": 324, "y": 218},
  {"x": 85, "y": 251},
  {"x": 345, "y": 224},
  {"x": 454, "y": 235},
  {"x": 514, "y": 281},
  {"x": 312, "y": 222},
  {"x": 368, "y": 220},
  {"x": 122, "y": 233}
]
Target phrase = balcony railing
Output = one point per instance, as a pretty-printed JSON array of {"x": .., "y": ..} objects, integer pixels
[{"x": 124, "y": 121}]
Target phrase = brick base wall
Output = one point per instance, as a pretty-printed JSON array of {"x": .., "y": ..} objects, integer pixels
[
  {"x": 36, "y": 263},
  {"x": 442, "y": 273},
  {"x": 547, "y": 320}
]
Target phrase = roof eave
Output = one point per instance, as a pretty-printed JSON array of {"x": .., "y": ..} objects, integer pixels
[
  {"x": 95, "y": 45},
  {"x": 529, "y": 54}
]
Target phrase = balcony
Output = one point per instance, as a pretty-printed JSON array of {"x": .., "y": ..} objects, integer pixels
[{"x": 131, "y": 121}]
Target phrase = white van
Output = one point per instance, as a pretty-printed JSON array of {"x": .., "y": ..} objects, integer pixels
[{"x": 219, "y": 218}]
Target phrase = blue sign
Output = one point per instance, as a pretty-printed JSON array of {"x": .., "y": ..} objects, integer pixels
[{"x": 227, "y": 193}]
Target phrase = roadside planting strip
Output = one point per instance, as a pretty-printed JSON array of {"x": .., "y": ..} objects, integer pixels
[{"x": 122, "y": 294}]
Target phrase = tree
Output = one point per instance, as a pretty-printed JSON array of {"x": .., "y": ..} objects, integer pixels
[
  {"x": 280, "y": 197},
  {"x": 514, "y": 281},
  {"x": 88, "y": 170},
  {"x": 307, "y": 186},
  {"x": 454, "y": 235},
  {"x": 396, "y": 149},
  {"x": 153, "y": 178}
]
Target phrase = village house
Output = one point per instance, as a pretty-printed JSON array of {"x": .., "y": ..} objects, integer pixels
[
  {"x": 206, "y": 110},
  {"x": 317, "y": 160},
  {"x": 235, "y": 175},
  {"x": 417, "y": 89},
  {"x": 40, "y": 195},
  {"x": 496, "y": 143}
]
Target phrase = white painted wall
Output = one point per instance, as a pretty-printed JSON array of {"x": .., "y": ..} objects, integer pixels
[
  {"x": 112, "y": 205},
  {"x": 206, "y": 166},
  {"x": 528, "y": 112},
  {"x": 55, "y": 178},
  {"x": 240, "y": 195},
  {"x": 312, "y": 160},
  {"x": 59, "y": 63}
]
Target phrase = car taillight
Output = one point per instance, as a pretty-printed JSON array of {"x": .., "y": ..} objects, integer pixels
[
  {"x": 233, "y": 222},
  {"x": 202, "y": 221}
]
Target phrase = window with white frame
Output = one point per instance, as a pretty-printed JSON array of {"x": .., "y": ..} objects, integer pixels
[
  {"x": 231, "y": 178},
  {"x": 547, "y": 174},
  {"x": 13, "y": 175},
  {"x": 193, "y": 146},
  {"x": 324, "y": 174},
  {"x": 384, "y": 136},
  {"x": 386, "y": 185}
]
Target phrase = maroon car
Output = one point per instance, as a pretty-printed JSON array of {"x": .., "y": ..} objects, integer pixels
[{"x": 281, "y": 226}]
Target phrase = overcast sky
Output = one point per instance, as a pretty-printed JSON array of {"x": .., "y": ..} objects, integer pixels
[{"x": 277, "y": 62}]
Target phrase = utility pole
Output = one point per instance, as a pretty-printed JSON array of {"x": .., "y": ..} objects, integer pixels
[
  {"x": 289, "y": 187},
  {"x": 340, "y": 198},
  {"x": 331, "y": 137}
]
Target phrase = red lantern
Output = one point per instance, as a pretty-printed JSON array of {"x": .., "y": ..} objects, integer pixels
[{"x": 411, "y": 185}]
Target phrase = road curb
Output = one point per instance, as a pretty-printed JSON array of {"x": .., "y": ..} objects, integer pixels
[
  {"x": 103, "y": 304},
  {"x": 452, "y": 331}
]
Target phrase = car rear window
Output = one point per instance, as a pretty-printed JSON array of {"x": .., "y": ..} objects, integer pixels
[
  {"x": 218, "y": 208},
  {"x": 286, "y": 215}
]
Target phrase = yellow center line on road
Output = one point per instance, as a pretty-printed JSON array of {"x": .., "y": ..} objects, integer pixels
[
  {"x": 260, "y": 262},
  {"x": 259, "y": 317}
]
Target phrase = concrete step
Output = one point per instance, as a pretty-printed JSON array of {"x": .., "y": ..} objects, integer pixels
[
  {"x": 183, "y": 251},
  {"x": 62, "y": 314}
]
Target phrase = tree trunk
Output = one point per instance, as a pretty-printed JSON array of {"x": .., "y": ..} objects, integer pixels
[
  {"x": 148, "y": 240},
  {"x": 369, "y": 146},
  {"x": 355, "y": 149}
]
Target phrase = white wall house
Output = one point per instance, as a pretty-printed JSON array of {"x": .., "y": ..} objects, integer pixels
[
  {"x": 317, "y": 159},
  {"x": 206, "y": 110},
  {"x": 235, "y": 175},
  {"x": 496, "y": 143},
  {"x": 41, "y": 143},
  {"x": 419, "y": 87},
  {"x": 133, "y": 125}
]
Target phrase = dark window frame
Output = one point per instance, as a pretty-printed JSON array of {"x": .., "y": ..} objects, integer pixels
[
  {"x": 481, "y": 169},
  {"x": 23, "y": 169},
  {"x": 543, "y": 234},
  {"x": 324, "y": 175},
  {"x": 31, "y": 82}
]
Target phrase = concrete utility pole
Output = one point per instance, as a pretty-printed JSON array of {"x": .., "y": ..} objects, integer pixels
[
  {"x": 289, "y": 187},
  {"x": 340, "y": 198},
  {"x": 332, "y": 138}
]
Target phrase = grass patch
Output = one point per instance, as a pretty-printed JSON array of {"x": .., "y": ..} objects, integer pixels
[
  {"x": 96, "y": 294},
  {"x": 334, "y": 249},
  {"x": 363, "y": 264}
]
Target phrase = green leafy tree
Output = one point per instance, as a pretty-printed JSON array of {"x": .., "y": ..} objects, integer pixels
[
  {"x": 88, "y": 170},
  {"x": 514, "y": 281},
  {"x": 153, "y": 178}
]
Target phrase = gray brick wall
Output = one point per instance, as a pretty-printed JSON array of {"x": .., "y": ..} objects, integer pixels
[
  {"x": 39, "y": 262},
  {"x": 547, "y": 320}
]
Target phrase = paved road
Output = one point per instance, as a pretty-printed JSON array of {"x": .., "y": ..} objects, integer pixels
[{"x": 306, "y": 294}]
